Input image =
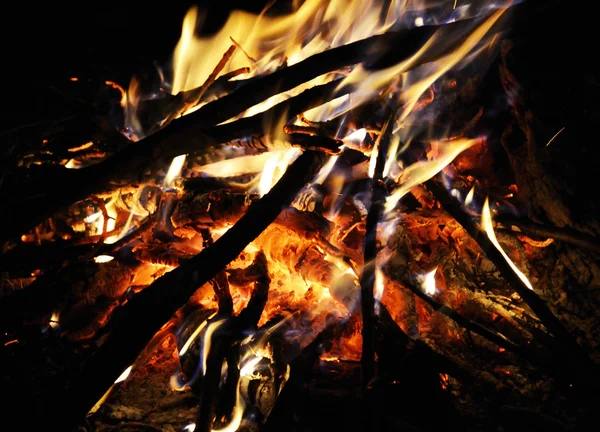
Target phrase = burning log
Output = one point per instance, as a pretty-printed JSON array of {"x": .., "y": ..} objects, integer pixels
[{"x": 150, "y": 309}]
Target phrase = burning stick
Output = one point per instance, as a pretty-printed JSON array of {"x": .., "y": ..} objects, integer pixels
[
  {"x": 150, "y": 309},
  {"x": 367, "y": 278},
  {"x": 562, "y": 234}
]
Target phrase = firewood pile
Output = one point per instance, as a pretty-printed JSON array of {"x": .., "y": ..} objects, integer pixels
[{"x": 352, "y": 238}]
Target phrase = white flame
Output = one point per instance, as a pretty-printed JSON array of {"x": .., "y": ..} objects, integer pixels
[
  {"x": 358, "y": 136},
  {"x": 429, "y": 283},
  {"x": 103, "y": 259},
  {"x": 194, "y": 335},
  {"x": 248, "y": 368},
  {"x": 208, "y": 340},
  {"x": 275, "y": 168},
  {"x": 486, "y": 222},
  {"x": 124, "y": 375}
]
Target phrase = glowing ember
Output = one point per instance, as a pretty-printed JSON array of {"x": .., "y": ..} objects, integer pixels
[{"x": 429, "y": 282}]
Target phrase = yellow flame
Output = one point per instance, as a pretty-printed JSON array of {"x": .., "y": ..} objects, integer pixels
[
  {"x": 100, "y": 259},
  {"x": 391, "y": 155},
  {"x": 429, "y": 282},
  {"x": 54, "y": 319},
  {"x": 274, "y": 169},
  {"x": 422, "y": 171},
  {"x": 486, "y": 222},
  {"x": 379, "y": 284},
  {"x": 368, "y": 83},
  {"x": 373, "y": 159},
  {"x": 268, "y": 39},
  {"x": 470, "y": 196},
  {"x": 174, "y": 170}
]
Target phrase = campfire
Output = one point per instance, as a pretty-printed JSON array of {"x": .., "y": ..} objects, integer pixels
[{"x": 308, "y": 220}]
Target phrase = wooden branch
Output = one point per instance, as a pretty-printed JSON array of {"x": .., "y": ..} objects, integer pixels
[
  {"x": 568, "y": 349},
  {"x": 220, "y": 285},
  {"x": 566, "y": 235},
  {"x": 144, "y": 315},
  {"x": 367, "y": 277}
]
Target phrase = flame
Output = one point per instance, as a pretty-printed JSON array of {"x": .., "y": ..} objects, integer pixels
[
  {"x": 294, "y": 37},
  {"x": 358, "y": 136},
  {"x": 470, "y": 196},
  {"x": 326, "y": 170},
  {"x": 248, "y": 368},
  {"x": 123, "y": 101},
  {"x": 247, "y": 164},
  {"x": 238, "y": 412},
  {"x": 429, "y": 282},
  {"x": 124, "y": 375},
  {"x": 486, "y": 222},
  {"x": 422, "y": 171},
  {"x": 379, "y": 287},
  {"x": 100, "y": 259},
  {"x": 121, "y": 378},
  {"x": 174, "y": 170},
  {"x": 275, "y": 168},
  {"x": 194, "y": 335},
  {"x": 207, "y": 341},
  {"x": 54, "y": 319}
]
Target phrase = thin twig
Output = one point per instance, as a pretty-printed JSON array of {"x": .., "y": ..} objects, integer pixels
[{"x": 367, "y": 278}]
